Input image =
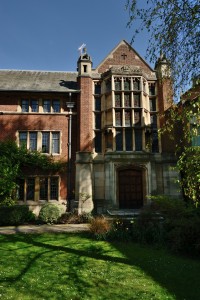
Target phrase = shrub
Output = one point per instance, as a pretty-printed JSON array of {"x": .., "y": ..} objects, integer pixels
[
  {"x": 181, "y": 225},
  {"x": 50, "y": 213},
  {"x": 100, "y": 227},
  {"x": 74, "y": 218},
  {"x": 148, "y": 228},
  {"x": 168, "y": 206},
  {"x": 16, "y": 215},
  {"x": 121, "y": 229}
]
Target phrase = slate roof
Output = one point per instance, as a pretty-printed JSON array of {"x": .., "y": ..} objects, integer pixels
[{"x": 38, "y": 81}]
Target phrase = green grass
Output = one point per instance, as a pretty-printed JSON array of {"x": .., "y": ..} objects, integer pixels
[{"x": 73, "y": 266}]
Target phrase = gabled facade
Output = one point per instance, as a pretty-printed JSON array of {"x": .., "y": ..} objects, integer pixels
[{"x": 116, "y": 156}]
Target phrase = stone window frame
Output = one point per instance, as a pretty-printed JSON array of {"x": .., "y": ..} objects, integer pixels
[
  {"x": 39, "y": 146},
  {"x": 36, "y": 189}
]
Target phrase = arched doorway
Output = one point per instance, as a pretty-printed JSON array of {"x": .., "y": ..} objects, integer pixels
[{"x": 130, "y": 189}]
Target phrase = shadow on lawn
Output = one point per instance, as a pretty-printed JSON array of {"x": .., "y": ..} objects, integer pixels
[{"x": 179, "y": 276}]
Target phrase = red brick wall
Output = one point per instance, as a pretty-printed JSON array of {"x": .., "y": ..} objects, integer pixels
[{"x": 12, "y": 121}]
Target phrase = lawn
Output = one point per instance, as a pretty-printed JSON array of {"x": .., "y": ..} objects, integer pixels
[{"x": 73, "y": 266}]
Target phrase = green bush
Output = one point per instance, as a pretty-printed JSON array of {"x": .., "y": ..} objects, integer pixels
[
  {"x": 15, "y": 215},
  {"x": 181, "y": 224},
  {"x": 74, "y": 218},
  {"x": 148, "y": 227},
  {"x": 50, "y": 213}
]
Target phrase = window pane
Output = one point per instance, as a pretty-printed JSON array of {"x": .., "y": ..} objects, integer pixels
[
  {"x": 53, "y": 188},
  {"x": 30, "y": 189},
  {"x": 155, "y": 142},
  {"x": 118, "y": 100},
  {"x": 127, "y": 100},
  {"x": 138, "y": 140},
  {"x": 47, "y": 106},
  {"x": 137, "y": 117},
  {"x": 43, "y": 188},
  {"x": 55, "y": 142},
  {"x": 33, "y": 141},
  {"x": 152, "y": 104},
  {"x": 128, "y": 137},
  {"x": 97, "y": 104},
  {"x": 25, "y": 105},
  {"x": 119, "y": 140},
  {"x": 152, "y": 89},
  {"x": 118, "y": 85},
  {"x": 56, "y": 105},
  {"x": 136, "y": 100},
  {"x": 45, "y": 142},
  {"x": 136, "y": 85},
  {"x": 128, "y": 118},
  {"x": 23, "y": 139},
  {"x": 97, "y": 88},
  {"x": 98, "y": 121},
  {"x": 98, "y": 143},
  {"x": 118, "y": 118},
  {"x": 127, "y": 85},
  {"x": 154, "y": 121},
  {"x": 34, "y": 105}
]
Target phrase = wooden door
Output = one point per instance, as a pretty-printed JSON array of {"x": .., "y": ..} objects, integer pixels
[{"x": 130, "y": 189}]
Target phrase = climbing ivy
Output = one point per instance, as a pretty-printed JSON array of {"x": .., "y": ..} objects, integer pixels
[{"x": 13, "y": 161}]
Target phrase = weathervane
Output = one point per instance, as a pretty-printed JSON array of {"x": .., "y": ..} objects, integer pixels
[{"x": 81, "y": 48}]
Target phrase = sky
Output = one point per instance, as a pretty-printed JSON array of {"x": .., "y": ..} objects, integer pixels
[{"x": 46, "y": 34}]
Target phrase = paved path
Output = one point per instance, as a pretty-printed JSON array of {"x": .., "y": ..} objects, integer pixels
[{"x": 44, "y": 228}]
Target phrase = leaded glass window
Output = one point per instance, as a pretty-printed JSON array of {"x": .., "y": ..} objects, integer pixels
[
  {"x": 117, "y": 84},
  {"x": 137, "y": 118},
  {"x": 97, "y": 88},
  {"x": 30, "y": 189},
  {"x": 34, "y": 106},
  {"x": 55, "y": 142},
  {"x": 43, "y": 188},
  {"x": 136, "y": 84},
  {"x": 23, "y": 139},
  {"x": 154, "y": 121},
  {"x": 33, "y": 141},
  {"x": 54, "y": 188},
  {"x": 25, "y": 105},
  {"x": 118, "y": 100},
  {"x": 138, "y": 140},
  {"x": 127, "y": 100},
  {"x": 127, "y": 118},
  {"x": 152, "y": 103},
  {"x": 118, "y": 118},
  {"x": 136, "y": 100},
  {"x": 47, "y": 106},
  {"x": 155, "y": 142},
  {"x": 97, "y": 121},
  {"x": 127, "y": 84},
  {"x": 152, "y": 89},
  {"x": 98, "y": 142},
  {"x": 97, "y": 103},
  {"x": 45, "y": 142},
  {"x": 56, "y": 106},
  {"x": 119, "y": 140},
  {"x": 129, "y": 139}
]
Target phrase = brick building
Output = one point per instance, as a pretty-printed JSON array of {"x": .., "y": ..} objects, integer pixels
[{"x": 116, "y": 157}]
